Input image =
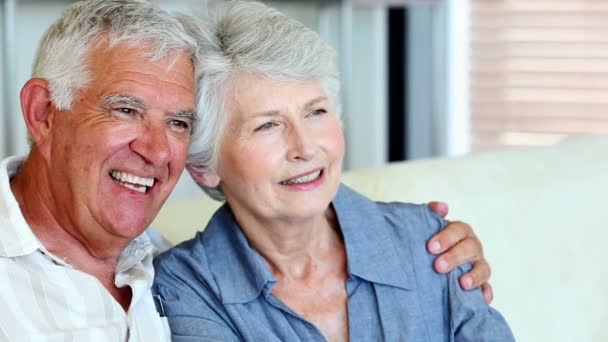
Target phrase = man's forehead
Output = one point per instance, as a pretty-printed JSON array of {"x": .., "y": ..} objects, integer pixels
[
  {"x": 102, "y": 52},
  {"x": 147, "y": 49},
  {"x": 121, "y": 70}
]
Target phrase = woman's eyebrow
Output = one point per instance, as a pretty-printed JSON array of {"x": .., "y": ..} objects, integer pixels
[
  {"x": 274, "y": 112},
  {"x": 314, "y": 101},
  {"x": 271, "y": 112}
]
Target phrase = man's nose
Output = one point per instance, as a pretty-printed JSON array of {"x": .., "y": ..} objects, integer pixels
[{"x": 152, "y": 144}]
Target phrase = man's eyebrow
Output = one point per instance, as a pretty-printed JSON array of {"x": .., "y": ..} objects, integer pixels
[
  {"x": 127, "y": 100},
  {"x": 123, "y": 100},
  {"x": 189, "y": 113}
]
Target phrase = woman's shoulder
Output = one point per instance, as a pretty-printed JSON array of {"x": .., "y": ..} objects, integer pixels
[
  {"x": 185, "y": 284},
  {"x": 182, "y": 263},
  {"x": 410, "y": 221},
  {"x": 405, "y": 221},
  {"x": 189, "y": 261}
]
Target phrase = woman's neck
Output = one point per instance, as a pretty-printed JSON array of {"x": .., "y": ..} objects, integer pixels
[{"x": 296, "y": 248}]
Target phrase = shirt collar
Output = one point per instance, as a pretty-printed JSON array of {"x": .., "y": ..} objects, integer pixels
[
  {"x": 240, "y": 272},
  {"x": 134, "y": 267},
  {"x": 16, "y": 237},
  {"x": 137, "y": 250},
  {"x": 371, "y": 251}
]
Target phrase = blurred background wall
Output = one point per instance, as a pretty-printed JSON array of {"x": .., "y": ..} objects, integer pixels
[{"x": 420, "y": 78}]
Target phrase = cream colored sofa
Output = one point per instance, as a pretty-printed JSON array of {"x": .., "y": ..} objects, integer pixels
[{"x": 540, "y": 212}]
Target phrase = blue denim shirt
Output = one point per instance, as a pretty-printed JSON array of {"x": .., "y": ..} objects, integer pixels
[{"x": 215, "y": 287}]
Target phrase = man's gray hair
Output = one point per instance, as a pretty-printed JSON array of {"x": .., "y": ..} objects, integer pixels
[
  {"x": 60, "y": 58},
  {"x": 249, "y": 37}
]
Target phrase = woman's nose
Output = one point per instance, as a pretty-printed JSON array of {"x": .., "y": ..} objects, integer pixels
[{"x": 302, "y": 145}]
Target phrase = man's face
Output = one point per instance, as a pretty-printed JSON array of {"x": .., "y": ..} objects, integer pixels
[{"x": 116, "y": 155}]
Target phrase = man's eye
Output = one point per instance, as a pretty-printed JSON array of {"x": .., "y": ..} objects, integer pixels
[
  {"x": 266, "y": 126},
  {"x": 180, "y": 124},
  {"x": 125, "y": 111}
]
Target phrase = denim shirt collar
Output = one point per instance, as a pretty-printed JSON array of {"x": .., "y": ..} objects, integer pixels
[
  {"x": 371, "y": 253},
  {"x": 240, "y": 272},
  {"x": 242, "y": 275}
]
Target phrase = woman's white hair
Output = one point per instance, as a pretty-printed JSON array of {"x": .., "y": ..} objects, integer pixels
[
  {"x": 60, "y": 58},
  {"x": 248, "y": 37}
]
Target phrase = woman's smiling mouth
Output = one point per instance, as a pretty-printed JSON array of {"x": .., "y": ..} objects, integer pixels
[{"x": 303, "y": 179}]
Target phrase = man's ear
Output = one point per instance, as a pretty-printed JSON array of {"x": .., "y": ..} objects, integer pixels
[
  {"x": 209, "y": 179},
  {"x": 36, "y": 106}
]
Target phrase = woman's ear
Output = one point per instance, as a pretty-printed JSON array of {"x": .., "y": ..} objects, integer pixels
[
  {"x": 209, "y": 179},
  {"x": 36, "y": 106}
]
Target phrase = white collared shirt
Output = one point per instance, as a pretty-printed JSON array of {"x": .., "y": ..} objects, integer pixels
[{"x": 43, "y": 298}]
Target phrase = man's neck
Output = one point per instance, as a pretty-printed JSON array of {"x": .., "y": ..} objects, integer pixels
[{"x": 31, "y": 190}]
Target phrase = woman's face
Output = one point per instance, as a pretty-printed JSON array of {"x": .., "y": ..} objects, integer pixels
[{"x": 281, "y": 152}]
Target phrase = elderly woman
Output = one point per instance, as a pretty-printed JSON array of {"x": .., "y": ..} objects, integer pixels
[{"x": 294, "y": 255}]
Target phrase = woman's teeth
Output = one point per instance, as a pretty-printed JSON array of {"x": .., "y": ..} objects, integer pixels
[
  {"x": 303, "y": 179},
  {"x": 133, "y": 182}
]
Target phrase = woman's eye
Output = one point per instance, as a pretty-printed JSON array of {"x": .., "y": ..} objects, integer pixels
[
  {"x": 266, "y": 126},
  {"x": 320, "y": 111}
]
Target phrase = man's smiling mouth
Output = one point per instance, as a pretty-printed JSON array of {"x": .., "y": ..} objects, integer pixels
[{"x": 133, "y": 182}]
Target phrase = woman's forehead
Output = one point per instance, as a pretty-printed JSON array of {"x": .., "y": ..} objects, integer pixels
[{"x": 254, "y": 94}]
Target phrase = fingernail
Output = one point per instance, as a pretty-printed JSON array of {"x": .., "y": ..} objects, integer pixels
[
  {"x": 467, "y": 282},
  {"x": 435, "y": 246},
  {"x": 443, "y": 265}
]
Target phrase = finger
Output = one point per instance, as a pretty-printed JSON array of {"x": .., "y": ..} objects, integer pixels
[
  {"x": 478, "y": 276},
  {"x": 453, "y": 233},
  {"x": 439, "y": 208},
  {"x": 467, "y": 250},
  {"x": 488, "y": 293}
]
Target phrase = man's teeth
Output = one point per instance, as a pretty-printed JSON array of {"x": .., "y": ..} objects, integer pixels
[
  {"x": 132, "y": 182},
  {"x": 303, "y": 179}
]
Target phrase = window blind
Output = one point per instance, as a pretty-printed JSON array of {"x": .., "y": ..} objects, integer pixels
[{"x": 539, "y": 71}]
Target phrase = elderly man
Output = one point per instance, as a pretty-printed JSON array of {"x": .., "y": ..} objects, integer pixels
[{"x": 109, "y": 111}]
